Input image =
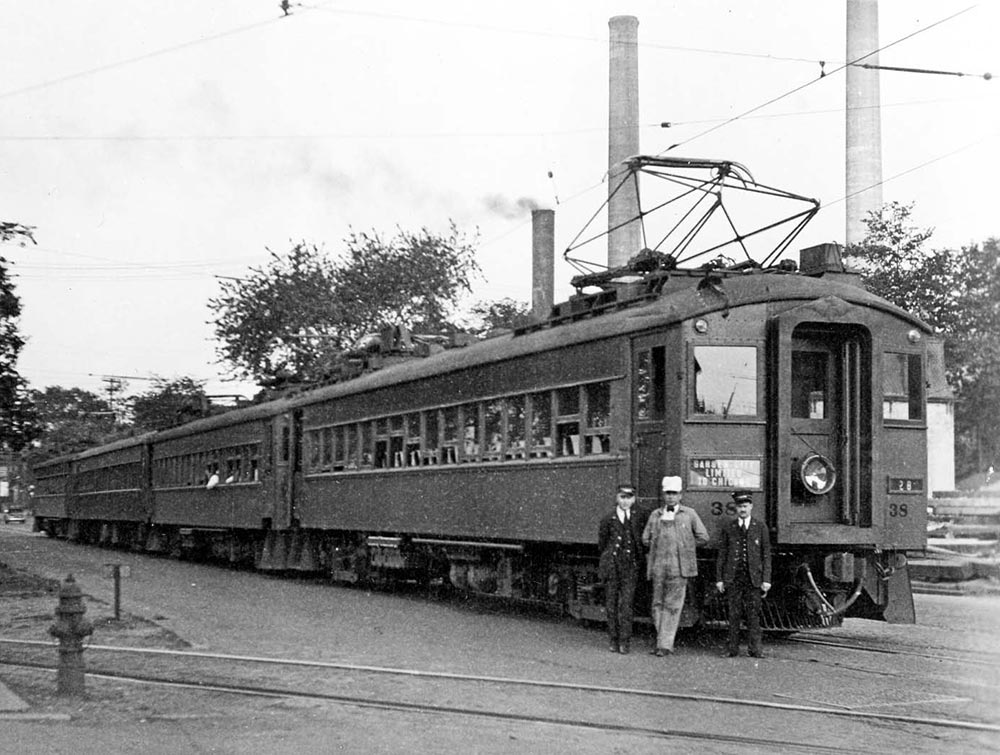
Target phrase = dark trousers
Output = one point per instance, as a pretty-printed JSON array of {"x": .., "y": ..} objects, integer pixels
[
  {"x": 744, "y": 604},
  {"x": 619, "y": 593}
]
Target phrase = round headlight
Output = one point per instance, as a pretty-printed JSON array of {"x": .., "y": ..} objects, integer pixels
[{"x": 817, "y": 474}]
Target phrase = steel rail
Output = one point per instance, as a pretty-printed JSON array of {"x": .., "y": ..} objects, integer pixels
[
  {"x": 512, "y": 681},
  {"x": 398, "y": 705},
  {"x": 892, "y": 651}
]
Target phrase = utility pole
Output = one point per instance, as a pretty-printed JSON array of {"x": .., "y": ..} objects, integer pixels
[{"x": 116, "y": 385}]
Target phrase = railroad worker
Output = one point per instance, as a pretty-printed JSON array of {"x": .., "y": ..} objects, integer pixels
[
  {"x": 619, "y": 540},
  {"x": 672, "y": 534},
  {"x": 743, "y": 572}
]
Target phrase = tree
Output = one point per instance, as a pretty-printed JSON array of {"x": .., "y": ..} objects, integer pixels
[
  {"x": 957, "y": 293},
  {"x": 288, "y": 322},
  {"x": 71, "y": 420},
  {"x": 170, "y": 403},
  {"x": 18, "y": 419},
  {"x": 973, "y": 357},
  {"x": 500, "y": 314}
]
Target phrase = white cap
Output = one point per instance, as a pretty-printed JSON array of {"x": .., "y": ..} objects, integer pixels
[{"x": 671, "y": 485}]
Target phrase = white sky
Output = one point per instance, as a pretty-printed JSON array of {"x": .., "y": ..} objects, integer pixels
[{"x": 156, "y": 145}]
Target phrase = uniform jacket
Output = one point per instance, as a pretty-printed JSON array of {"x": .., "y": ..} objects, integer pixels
[
  {"x": 691, "y": 534},
  {"x": 610, "y": 533},
  {"x": 758, "y": 552}
]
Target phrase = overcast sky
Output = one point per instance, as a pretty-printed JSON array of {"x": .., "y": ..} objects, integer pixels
[{"x": 157, "y": 145}]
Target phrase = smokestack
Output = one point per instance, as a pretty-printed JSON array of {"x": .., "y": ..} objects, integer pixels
[
  {"x": 623, "y": 138},
  {"x": 543, "y": 252},
  {"x": 864, "y": 133}
]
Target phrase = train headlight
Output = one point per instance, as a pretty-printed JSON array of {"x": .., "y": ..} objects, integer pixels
[{"x": 817, "y": 474}]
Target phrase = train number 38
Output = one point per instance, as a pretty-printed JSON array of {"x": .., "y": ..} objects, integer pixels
[{"x": 898, "y": 509}]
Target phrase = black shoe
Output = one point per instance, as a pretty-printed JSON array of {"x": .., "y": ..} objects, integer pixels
[
  {"x": 730, "y": 653},
  {"x": 613, "y": 647},
  {"x": 661, "y": 652},
  {"x": 756, "y": 653},
  {"x": 623, "y": 648}
]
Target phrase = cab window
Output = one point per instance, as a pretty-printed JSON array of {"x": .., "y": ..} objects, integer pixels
[
  {"x": 902, "y": 381},
  {"x": 725, "y": 381}
]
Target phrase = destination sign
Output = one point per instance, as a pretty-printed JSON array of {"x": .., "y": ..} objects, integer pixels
[{"x": 711, "y": 472}]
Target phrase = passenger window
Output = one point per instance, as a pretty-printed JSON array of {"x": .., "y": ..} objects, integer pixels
[
  {"x": 902, "y": 378},
  {"x": 494, "y": 430},
  {"x": 515, "y": 427},
  {"x": 725, "y": 381},
  {"x": 598, "y": 430},
  {"x": 470, "y": 436},
  {"x": 541, "y": 425},
  {"x": 809, "y": 384},
  {"x": 451, "y": 436}
]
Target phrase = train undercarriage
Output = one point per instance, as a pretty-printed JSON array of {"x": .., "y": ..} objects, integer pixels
[{"x": 812, "y": 588}]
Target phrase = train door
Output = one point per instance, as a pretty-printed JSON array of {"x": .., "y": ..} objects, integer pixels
[
  {"x": 824, "y": 424},
  {"x": 287, "y": 446},
  {"x": 649, "y": 411}
]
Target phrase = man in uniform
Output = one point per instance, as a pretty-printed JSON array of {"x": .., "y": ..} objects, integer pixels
[
  {"x": 743, "y": 572},
  {"x": 619, "y": 539},
  {"x": 672, "y": 534}
]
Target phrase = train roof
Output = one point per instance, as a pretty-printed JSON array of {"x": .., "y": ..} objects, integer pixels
[
  {"x": 671, "y": 307},
  {"x": 681, "y": 299}
]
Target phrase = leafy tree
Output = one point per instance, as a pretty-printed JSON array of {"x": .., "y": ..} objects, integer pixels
[
  {"x": 500, "y": 314},
  {"x": 71, "y": 420},
  {"x": 170, "y": 403},
  {"x": 288, "y": 322},
  {"x": 958, "y": 294},
  {"x": 973, "y": 357},
  {"x": 18, "y": 420}
]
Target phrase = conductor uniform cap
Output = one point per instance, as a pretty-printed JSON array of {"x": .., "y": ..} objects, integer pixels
[
  {"x": 671, "y": 485},
  {"x": 743, "y": 496}
]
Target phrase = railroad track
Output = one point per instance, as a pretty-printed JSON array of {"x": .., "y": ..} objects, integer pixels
[
  {"x": 239, "y": 674},
  {"x": 983, "y": 659}
]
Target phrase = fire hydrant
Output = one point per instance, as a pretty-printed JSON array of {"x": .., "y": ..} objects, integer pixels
[{"x": 70, "y": 629}]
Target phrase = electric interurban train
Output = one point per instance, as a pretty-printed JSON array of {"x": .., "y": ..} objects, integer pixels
[{"x": 489, "y": 466}]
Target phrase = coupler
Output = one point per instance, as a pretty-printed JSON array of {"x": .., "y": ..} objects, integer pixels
[{"x": 70, "y": 629}]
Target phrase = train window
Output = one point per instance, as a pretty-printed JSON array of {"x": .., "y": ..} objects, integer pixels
[
  {"x": 541, "y": 425},
  {"x": 568, "y": 438},
  {"x": 326, "y": 462},
  {"x": 470, "y": 435},
  {"x": 413, "y": 440},
  {"x": 382, "y": 443},
  {"x": 902, "y": 397},
  {"x": 515, "y": 427},
  {"x": 650, "y": 386},
  {"x": 725, "y": 380},
  {"x": 313, "y": 446},
  {"x": 568, "y": 421},
  {"x": 493, "y": 419},
  {"x": 351, "y": 447},
  {"x": 339, "y": 448},
  {"x": 432, "y": 437},
  {"x": 396, "y": 456},
  {"x": 810, "y": 381},
  {"x": 233, "y": 469},
  {"x": 450, "y": 441},
  {"x": 598, "y": 402},
  {"x": 365, "y": 439}
]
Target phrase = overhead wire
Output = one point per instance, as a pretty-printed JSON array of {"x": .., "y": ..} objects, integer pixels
[{"x": 809, "y": 83}]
